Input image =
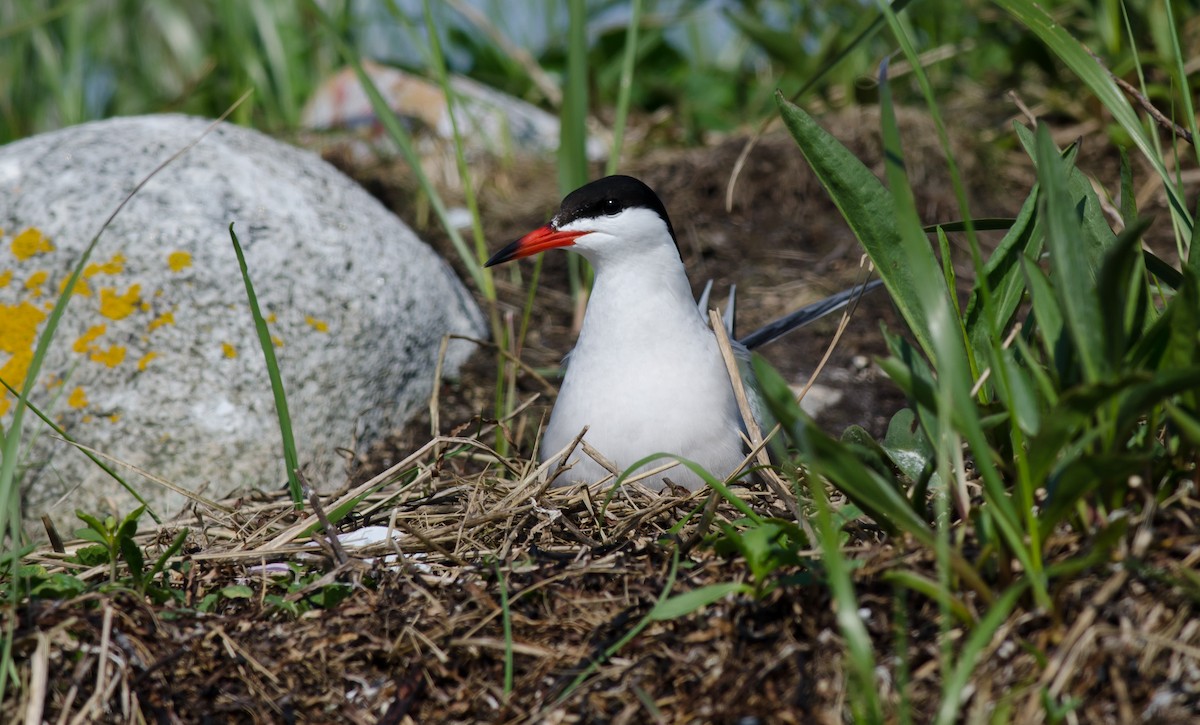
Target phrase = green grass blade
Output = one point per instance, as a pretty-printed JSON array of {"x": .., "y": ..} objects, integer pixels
[
  {"x": 1074, "y": 272},
  {"x": 10, "y": 503},
  {"x": 864, "y": 698},
  {"x": 101, "y": 464},
  {"x": 506, "y": 626},
  {"x": 464, "y": 170},
  {"x": 1179, "y": 73},
  {"x": 953, "y": 363},
  {"x": 281, "y": 409},
  {"x": 572, "y": 135},
  {"x": 625, "y": 90},
  {"x": 396, "y": 132},
  {"x": 663, "y": 599},
  {"x": 1003, "y": 270},
  {"x": 1081, "y": 62},
  {"x": 954, "y": 689},
  {"x": 684, "y": 604}
]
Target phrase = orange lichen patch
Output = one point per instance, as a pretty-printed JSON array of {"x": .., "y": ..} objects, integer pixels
[
  {"x": 35, "y": 281},
  {"x": 5, "y": 277},
  {"x": 179, "y": 261},
  {"x": 112, "y": 357},
  {"x": 318, "y": 325},
  {"x": 228, "y": 350},
  {"x": 29, "y": 243},
  {"x": 116, "y": 265},
  {"x": 144, "y": 360},
  {"x": 116, "y": 306},
  {"x": 77, "y": 399},
  {"x": 114, "y": 418},
  {"x": 81, "y": 287},
  {"x": 166, "y": 318},
  {"x": 276, "y": 340},
  {"x": 84, "y": 342}
]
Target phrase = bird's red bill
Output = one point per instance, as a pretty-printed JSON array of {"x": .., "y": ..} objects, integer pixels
[{"x": 539, "y": 240}]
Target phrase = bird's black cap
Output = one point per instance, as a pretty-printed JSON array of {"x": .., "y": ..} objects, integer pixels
[{"x": 610, "y": 195}]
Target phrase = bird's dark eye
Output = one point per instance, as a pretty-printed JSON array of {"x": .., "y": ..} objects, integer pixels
[{"x": 611, "y": 207}]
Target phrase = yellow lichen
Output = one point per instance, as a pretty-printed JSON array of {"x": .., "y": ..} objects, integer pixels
[
  {"x": 228, "y": 350},
  {"x": 29, "y": 243},
  {"x": 166, "y": 318},
  {"x": 276, "y": 340},
  {"x": 5, "y": 277},
  {"x": 81, "y": 287},
  {"x": 35, "y": 281},
  {"x": 179, "y": 261},
  {"x": 18, "y": 326},
  {"x": 271, "y": 319},
  {"x": 115, "y": 417},
  {"x": 116, "y": 306},
  {"x": 84, "y": 342},
  {"x": 116, "y": 265},
  {"x": 77, "y": 399},
  {"x": 18, "y": 332},
  {"x": 318, "y": 325},
  {"x": 112, "y": 357},
  {"x": 15, "y": 369},
  {"x": 144, "y": 360}
]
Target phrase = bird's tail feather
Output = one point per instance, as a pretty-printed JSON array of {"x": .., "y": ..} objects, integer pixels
[{"x": 809, "y": 313}]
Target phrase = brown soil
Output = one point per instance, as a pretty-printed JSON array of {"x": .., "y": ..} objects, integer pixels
[{"x": 424, "y": 640}]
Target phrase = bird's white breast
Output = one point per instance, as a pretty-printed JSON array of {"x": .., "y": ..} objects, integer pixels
[{"x": 646, "y": 377}]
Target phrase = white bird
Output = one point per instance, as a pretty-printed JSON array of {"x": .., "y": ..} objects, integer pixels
[{"x": 646, "y": 375}]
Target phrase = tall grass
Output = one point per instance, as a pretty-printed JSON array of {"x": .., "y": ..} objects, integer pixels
[
  {"x": 67, "y": 61},
  {"x": 1092, "y": 382}
]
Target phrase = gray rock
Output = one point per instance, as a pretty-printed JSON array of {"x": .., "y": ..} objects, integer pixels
[{"x": 156, "y": 361}]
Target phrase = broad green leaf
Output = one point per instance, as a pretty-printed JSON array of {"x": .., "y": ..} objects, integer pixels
[
  {"x": 872, "y": 492},
  {"x": 906, "y": 269},
  {"x": 132, "y": 554},
  {"x": 907, "y": 446}
]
